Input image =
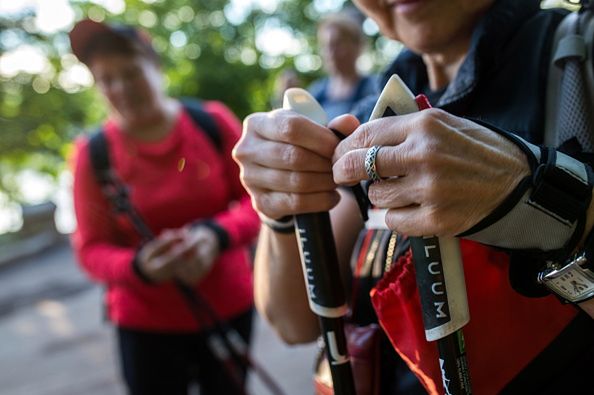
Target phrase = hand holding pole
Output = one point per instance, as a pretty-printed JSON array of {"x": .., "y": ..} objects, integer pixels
[
  {"x": 438, "y": 266},
  {"x": 320, "y": 266}
]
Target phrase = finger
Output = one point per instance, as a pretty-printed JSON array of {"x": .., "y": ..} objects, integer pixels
[
  {"x": 394, "y": 193},
  {"x": 288, "y": 181},
  {"x": 280, "y": 204},
  {"x": 388, "y": 131},
  {"x": 344, "y": 124},
  {"x": 390, "y": 161},
  {"x": 289, "y": 127},
  {"x": 413, "y": 220},
  {"x": 159, "y": 245},
  {"x": 284, "y": 156},
  {"x": 174, "y": 255}
]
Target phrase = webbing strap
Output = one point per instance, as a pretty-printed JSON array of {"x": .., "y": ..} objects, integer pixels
[{"x": 569, "y": 88}]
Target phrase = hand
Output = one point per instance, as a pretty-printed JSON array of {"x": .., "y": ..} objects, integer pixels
[
  {"x": 285, "y": 162},
  {"x": 157, "y": 258},
  {"x": 443, "y": 173},
  {"x": 203, "y": 249}
]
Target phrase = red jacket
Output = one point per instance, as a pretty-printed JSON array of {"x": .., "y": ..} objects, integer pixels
[{"x": 172, "y": 182}]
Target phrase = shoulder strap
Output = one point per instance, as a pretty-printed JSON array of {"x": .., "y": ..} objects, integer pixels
[
  {"x": 204, "y": 120},
  {"x": 112, "y": 188},
  {"x": 99, "y": 155},
  {"x": 574, "y": 37}
]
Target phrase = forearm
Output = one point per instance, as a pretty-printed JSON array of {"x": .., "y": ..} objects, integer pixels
[
  {"x": 279, "y": 288},
  {"x": 106, "y": 263}
]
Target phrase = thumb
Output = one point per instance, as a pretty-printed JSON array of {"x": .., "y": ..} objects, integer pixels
[{"x": 344, "y": 124}]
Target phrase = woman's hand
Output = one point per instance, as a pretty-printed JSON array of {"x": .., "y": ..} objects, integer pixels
[
  {"x": 286, "y": 164},
  {"x": 442, "y": 174},
  {"x": 203, "y": 249},
  {"x": 158, "y": 258}
]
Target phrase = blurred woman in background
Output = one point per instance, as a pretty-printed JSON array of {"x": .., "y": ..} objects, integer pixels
[
  {"x": 187, "y": 192},
  {"x": 341, "y": 42}
]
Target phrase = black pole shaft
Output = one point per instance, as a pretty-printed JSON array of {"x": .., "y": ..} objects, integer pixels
[
  {"x": 326, "y": 293},
  {"x": 453, "y": 364}
]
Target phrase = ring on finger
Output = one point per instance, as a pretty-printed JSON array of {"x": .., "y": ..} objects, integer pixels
[{"x": 370, "y": 165}]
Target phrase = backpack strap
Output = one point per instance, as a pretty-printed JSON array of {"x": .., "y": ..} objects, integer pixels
[
  {"x": 567, "y": 43},
  {"x": 204, "y": 120},
  {"x": 114, "y": 190}
]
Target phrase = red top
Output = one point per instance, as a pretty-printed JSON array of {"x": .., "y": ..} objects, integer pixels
[{"x": 172, "y": 182}]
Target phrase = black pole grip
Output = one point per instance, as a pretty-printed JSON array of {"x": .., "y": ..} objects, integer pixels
[
  {"x": 431, "y": 281},
  {"x": 320, "y": 265},
  {"x": 437, "y": 315}
]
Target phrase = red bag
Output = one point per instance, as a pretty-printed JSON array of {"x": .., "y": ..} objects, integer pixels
[
  {"x": 363, "y": 347},
  {"x": 506, "y": 330}
]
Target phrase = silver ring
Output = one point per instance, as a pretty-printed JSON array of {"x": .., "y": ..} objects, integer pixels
[{"x": 370, "y": 166}]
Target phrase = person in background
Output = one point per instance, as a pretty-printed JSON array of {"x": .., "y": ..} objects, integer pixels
[
  {"x": 341, "y": 42},
  {"x": 188, "y": 193},
  {"x": 467, "y": 168}
]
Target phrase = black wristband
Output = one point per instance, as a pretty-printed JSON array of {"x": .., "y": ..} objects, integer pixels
[
  {"x": 283, "y": 225},
  {"x": 222, "y": 235}
]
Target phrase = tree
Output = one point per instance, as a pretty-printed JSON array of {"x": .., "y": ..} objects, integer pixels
[{"x": 211, "y": 49}]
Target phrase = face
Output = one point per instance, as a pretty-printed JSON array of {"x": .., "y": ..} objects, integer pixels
[
  {"x": 132, "y": 84},
  {"x": 339, "y": 50},
  {"x": 425, "y": 26}
]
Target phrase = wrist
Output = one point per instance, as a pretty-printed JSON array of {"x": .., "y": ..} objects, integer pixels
[
  {"x": 285, "y": 225},
  {"x": 220, "y": 233},
  {"x": 554, "y": 199},
  {"x": 139, "y": 272}
]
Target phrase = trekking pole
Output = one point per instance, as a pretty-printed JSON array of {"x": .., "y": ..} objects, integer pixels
[
  {"x": 320, "y": 266},
  {"x": 442, "y": 293},
  {"x": 227, "y": 336}
]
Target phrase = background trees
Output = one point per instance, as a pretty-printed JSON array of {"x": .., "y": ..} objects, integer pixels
[{"x": 213, "y": 49}]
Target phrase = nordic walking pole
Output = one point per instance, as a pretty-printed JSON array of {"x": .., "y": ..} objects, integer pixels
[
  {"x": 442, "y": 292},
  {"x": 320, "y": 266}
]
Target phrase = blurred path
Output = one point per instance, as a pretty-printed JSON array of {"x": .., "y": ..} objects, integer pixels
[{"x": 53, "y": 340}]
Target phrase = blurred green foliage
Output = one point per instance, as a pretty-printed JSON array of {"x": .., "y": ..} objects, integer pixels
[{"x": 204, "y": 55}]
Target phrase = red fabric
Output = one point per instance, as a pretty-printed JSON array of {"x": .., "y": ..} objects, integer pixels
[
  {"x": 506, "y": 330},
  {"x": 173, "y": 182}
]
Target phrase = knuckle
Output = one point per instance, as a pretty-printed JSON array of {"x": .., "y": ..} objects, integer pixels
[
  {"x": 363, "y": 135},
  {"x": 291, "y": 156},
  {"x": 296, "y": 181},
  {"x": 250, "y": 122},
  {"x": 429, "y": 120},
  {"x": 261, "y": 203},
  {"x": 294, "y": 202},
  {"x": 289, "y": 127}
]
